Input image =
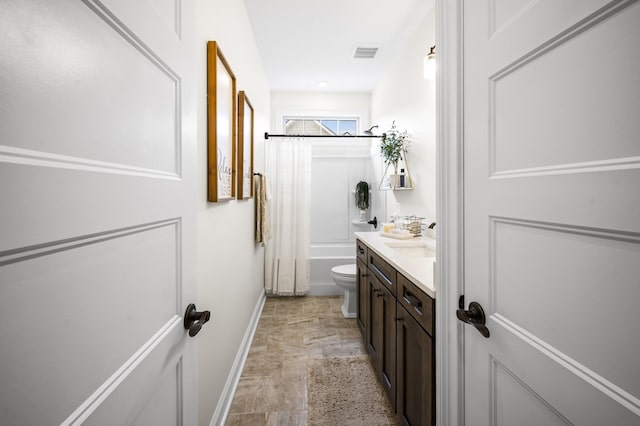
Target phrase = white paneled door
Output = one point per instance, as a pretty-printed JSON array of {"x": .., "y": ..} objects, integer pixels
[
  {"x": 552, "y": 211},
  {"x": 97, "y": 217}
]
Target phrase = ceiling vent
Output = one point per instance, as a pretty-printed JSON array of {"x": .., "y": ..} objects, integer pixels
[{"x": 364, "y": 52}]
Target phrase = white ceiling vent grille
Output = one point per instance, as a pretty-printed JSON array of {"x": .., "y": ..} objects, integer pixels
[{"x": 364, "y": 52}]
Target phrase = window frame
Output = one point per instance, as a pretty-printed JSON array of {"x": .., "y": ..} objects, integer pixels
[{"x": 320, "y": 118}]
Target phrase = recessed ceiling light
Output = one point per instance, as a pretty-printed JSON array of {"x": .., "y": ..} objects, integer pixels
[{"x": 322, "y": 84}]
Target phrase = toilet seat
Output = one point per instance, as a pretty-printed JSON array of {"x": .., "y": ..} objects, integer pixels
[{"x": 346, "y": 271}]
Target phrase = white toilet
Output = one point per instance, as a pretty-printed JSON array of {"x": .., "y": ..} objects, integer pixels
[{"x": 345, "y": 277}]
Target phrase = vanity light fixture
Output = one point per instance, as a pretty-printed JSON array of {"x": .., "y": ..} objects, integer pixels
[{"x": 430, "y": 64}]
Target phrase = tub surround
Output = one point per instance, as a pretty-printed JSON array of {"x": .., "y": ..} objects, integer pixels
[{"x": 414, "y": 258}]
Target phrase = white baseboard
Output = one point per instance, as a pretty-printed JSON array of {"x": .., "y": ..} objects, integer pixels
[
  {"x": 325, "y": 289},
  {"x": 224, "y": 403}
]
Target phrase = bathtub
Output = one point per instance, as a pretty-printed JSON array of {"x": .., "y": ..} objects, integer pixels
[{"x": 323, "y": 258}]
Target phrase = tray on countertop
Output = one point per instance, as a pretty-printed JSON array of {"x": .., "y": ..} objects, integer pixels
[{"x": 397, "y": 236}]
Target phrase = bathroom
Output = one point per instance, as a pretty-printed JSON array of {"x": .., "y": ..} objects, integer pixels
[
  {"x": 152, "y": 234},
  {"x": 109, "y": 233},
  {"x": 338, "y": 164},
  {"x": 403, "y": 95}
]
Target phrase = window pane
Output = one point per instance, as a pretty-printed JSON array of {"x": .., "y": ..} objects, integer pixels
[
  {"x": 347, "y": 126},
  {"x": 331, "y": 125}
]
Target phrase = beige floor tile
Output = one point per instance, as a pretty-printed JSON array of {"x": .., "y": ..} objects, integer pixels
[
  {"x": 292, "y": 418},
  {"x": 273, "y": 387},
  {"x": 253, "y": 419}
]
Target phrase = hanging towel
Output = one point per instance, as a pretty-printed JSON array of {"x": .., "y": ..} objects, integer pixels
[{"x": 263, "y": 226}]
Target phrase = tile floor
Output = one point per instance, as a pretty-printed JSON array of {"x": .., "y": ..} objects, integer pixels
[{"x": 273, "y": 386}]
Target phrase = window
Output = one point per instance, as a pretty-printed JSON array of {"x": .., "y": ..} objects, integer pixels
[{"x": 321, "y": 126}]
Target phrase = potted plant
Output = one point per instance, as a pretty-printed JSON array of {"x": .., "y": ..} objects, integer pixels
[{"x": 393, "y": 146}]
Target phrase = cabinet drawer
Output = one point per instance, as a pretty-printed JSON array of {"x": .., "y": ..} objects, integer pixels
[
  {"x": 419, "y": 305},
  {"x": 361, "y": 251},
  {"x": 385, "y": 272}
]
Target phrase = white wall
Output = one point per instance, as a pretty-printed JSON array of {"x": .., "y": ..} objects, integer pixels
[
  {"x": 406, "y": 97},
  {"x": 230, "y": 265},
  {"x": 337, "y": 166}
]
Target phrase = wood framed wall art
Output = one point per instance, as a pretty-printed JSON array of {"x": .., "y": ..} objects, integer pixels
[
  {"x": 221, "y": 122},
  {"x": 245, "y": 146}
]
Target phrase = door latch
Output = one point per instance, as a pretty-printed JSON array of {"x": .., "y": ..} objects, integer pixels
[
  {"x": 474, "y": 316},
  {"x": 194, "y": 320}
]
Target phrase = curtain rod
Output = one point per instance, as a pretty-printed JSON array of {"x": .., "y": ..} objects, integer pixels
[{"x": 267, "y": 136}]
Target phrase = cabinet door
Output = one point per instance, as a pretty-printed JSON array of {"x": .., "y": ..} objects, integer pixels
[
  {"x": 382, "y": 337},
  {"x": 362, "y": 296},
  {"x": 388, "y": 343},
  {"x": 416, "y": 372},
  {"x": 373, "y": 335}
]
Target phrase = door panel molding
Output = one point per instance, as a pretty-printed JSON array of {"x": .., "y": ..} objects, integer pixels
[
  {"x": 563, "y": 360},
  {"x": 593, "y": 33},
  {"x": 596, "y": 233},
  {"x": 28, "y": 157},
  {"x": 611, "y": 234},
  {"x": 145, "y": 50},
  {"x": 170, "y": 15},
  {"x": 496, "y": 25},
  {"x": 142, "y": 362},
  {"x": 605, "y": 266},
  {"x": 582, "y": 26},
  {"x": 497, "y": 369},
  {"x": 44, "y": 249},
  {"x": 86, "y": 50},
  {"x": 609, "y": 165}
]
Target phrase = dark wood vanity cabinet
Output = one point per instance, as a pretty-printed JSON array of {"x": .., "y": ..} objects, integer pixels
[
  {"x": 383, "y": 336},
  {"x": 397, "y": 322},
  {"x": 415, "y": 396},
  {"x": 382, "y": 270},
  {"x": 362, "y": 296},
  {"x": 372, "y": 337},
  {"x": 361, "y": 251}
]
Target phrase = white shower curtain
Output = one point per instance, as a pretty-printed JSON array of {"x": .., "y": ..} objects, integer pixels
[{"x": 287, "y": 265}]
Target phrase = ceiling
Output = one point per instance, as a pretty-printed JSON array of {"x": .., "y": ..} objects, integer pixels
[{"x": 303, "y": 42}]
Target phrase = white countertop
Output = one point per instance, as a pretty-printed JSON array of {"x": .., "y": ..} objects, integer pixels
[{"x": 418, "y": 270}]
